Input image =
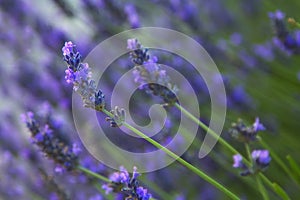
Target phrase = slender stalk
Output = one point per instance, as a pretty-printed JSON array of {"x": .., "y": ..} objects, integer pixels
[
  {"x": 208, "y": 130},
  {"x": 158, "y": 190},
  {"x": 180, "y": 160},
  {"x": 247, "y": 147},
  {"x": 278, "y": 160},
  {"x": 98, "y": 176},
  {"x": 227, "y": 145},
  {"x": 293, "y": 165},
  {"x": 261, "y": 187},
  {"x": 183, "y": 162},
  {"x": 93, "y": 174}
]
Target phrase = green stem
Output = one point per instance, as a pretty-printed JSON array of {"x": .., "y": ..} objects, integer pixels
[
  {"x": 183, "y": 162},
  {"x": 93, "y": 174},
  {"x": 208, "y": 130},
  {"x": 277, "y": 159},
  {"x": 293, "y": 165},
  {"x": 226, "y": 144},
  {"x": 275, "y": 187},
  {"x": 261, "y": 187},
  {"x": 248, "y": 152},
  {"x": 180, "y": 160},
  {"x": 98, "y": 176}
]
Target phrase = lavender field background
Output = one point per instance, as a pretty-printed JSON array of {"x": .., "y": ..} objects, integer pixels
[{"x": 255, "y": 46}]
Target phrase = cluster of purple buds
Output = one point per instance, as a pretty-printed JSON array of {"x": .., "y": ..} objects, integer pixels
[
  {"x": 149, "y": 75},
  {"x": 51, "y": 143},
  {"x": 80, "y": 75},
  {"x": 290, "y": 41},
  {"x": 122, "y": 182},
  {"x": 118, "y": 117},
  {"x": 260, "y": 161},
  {"x": 243, "y": 133}
]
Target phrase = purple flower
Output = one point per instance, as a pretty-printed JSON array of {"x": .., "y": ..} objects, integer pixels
[
  {"x": 51, "y": 142},
  {"x": 132, "y": 15},
  {"x": 264, "y": 51},
  {"x": 133, "y": 44},
  {"x": 59, "y": 169},
  {"x": 244, "y": 133},
  {"x": 107, "y": 188},
  {"x": 71, "y": 56},
  {"x": 70, "y": 76},
  {"x": 143, "y": 193},
  {"x": 297, "y": 37},
  {"x": 118, "y": 117},
  {"x": 236, "y": 39},
  {"x": 237, "y": 161},
  {"x": 277, "y": 15},
  {"x": 76, "y": 149},
  {"x": 287, "y": 39},
  {"x": 149, "y": 75},
  {"x": 122, "y": 182},
  {"x": 257, "y": 126},
  {"x": 120, "y": 177},
  {"x": 80, "y": 75},
  {"x": 68, "y": 48},
  {"x": 261, "y": 157},
  {"x": 38, "y": 138},
  {"x": 135, "y": 173},
  {"x": 96, "y": 197}
]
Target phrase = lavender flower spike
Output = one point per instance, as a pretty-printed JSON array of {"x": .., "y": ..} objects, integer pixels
[
  {"x": 261, "y": 158},
  {"x": 237, "y": 161},
  {"x": 122, "y": 182},
  {"x": 148, "y": 73},
  {"x": 257, "y": 126},
  {"x": 80, "y": 75},
  {"x": 51, "y": 143},
  {"x": 244, "y": 133}
]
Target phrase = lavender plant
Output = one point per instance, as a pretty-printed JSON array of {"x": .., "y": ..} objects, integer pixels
[
  {"x": 66, "y": 156},
  {"x": 144, "y": 74},
  {"x": 255, "y": 45},
  {"x": 78, "y": 73}
]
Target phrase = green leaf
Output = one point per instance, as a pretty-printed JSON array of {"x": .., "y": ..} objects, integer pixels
[
  {"x": 295, "y": 167},
  {"x": 280, "y": 191}
]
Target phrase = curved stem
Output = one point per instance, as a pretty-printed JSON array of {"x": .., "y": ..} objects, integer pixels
[
  {"x": 257, "y": 178},
  {"x": 277, "y": 159},
  {"x": 207, "y": 129},
  {"x": 183, "y": 162},
  {"x": 93, "y": 174},
  {"x": 176, "y": 157},
  {"x": 262, "y": 188},
  {"x": 225, "y": 144},
  {"x": 248, "y": 152}
]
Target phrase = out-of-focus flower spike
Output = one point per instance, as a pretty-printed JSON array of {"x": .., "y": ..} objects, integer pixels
[
  {"x": 122, "y": 182},
  {"x": 257, "y": 126},
  {"x": 243, "y": 133},
  {"x": 118, "y": 117},
  {"x": 261, "y": 158},
  {"x": 237, "y": 161},
  {"x": 51, "y": 143},
  {"x": 149, "y": 75}
]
